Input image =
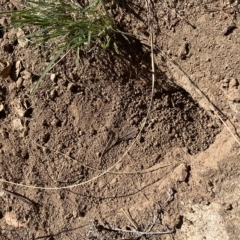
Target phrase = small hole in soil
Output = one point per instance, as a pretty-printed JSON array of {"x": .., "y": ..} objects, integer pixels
[
  {"x": 15, "y": 42},
  {"x": 8, "y": 47},
  {"x": 28, "y": 113},
  {"x": 188, "y": 174},
  {"x": 1, "y": 31},
  {"x": 1, "y": 215},
  {"x": 82, "y": 214},
  {"x": 35, "y": 78},
  {"x": 3, "y": 114},
  {"x": 180, "y": 222}
]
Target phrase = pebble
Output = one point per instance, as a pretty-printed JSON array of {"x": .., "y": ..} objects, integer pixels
[
  {"x": 12, "y": 87},
  {"x": 26, "y": 75},
  {"x": 226, "y": 80},
  {"x": 53, "y": 94},
  {"x": 19, "y": 82},
  {"x": 56, "y": 122},
  {"x": 24, "y": 154},
  {"x": 60, "y": 147},
  {"x": 118, "y": 166},
  {"x": 101, "y": 184},
  {"x": 53, "y": 77},
  {"x": 1, "y": 107},
  {"x": 180, "y": 173},
  {"x": 98, "y": 154},
  {"x": 114, "y": 181}
]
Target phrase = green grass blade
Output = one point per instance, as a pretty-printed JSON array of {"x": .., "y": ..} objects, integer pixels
[
  {"x": 47, "y": 70},
  {"x": 89, "y": 38},
  {"x": 115, "y": 48}
]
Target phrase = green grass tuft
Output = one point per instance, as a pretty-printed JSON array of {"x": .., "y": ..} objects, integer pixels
[{"x": 65, "y": 24}]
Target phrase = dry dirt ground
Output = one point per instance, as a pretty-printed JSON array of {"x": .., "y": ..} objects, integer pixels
[{"x": 179, "y": 176}]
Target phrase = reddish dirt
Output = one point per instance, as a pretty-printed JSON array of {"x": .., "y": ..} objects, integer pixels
[{"x": 180, "y": 174}]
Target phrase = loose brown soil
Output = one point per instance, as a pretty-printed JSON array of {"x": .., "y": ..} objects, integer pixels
[{"x": 180, "y": 174}]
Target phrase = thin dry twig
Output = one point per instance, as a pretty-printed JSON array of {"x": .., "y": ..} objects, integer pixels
[
  {"x": 151, "y": 169},
  {"x": 129, "y": 219},
  {"x": 16, "y": 195},
  {"x": 168, "y": 231}
]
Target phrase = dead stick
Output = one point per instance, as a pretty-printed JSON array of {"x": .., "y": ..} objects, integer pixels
[{"x": 16, "y": 195}]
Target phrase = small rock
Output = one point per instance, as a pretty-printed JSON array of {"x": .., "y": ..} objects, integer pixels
[
  {"x": 60, "y": 147},
  {"x": 27, "y": 84},
  {"x": 18, "y": 68},
  {"x": 1, "y": 107},
  {"x": 26, "y": 75},
  {"x": 20, "y": 112},
  {"x": 101, "y": 184},
  {"x": 180, "y": 173},
  {"x": 118, "y": 166},
  {"x": 53, "y": 77},
  {"x": 53, "y": 94},
  {"x": 18, "y": 107},
  {"x": 21, "y": 41},
  {"x": 56, "y": 122},
  {"x": 46, "y": 151},
  {"x": 24, "y": 154},
  {"x": 17, "y": 124},
  {"x": 19, "y": 82},
  {"x": 75, "y": 214},
  {"x": 226, "y": 80},
  {"x": 98, "y": 154},
  {"x": 113, "y": 182},
  {"x": 12, "y": 86},
  {"x": 2, "y": 193},
  {"x": 7, "y": 70},
  {"x": 81, "y": 133}
]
